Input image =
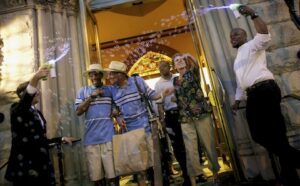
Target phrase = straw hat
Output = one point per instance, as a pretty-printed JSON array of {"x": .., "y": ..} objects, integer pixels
[
  {"x": 93, "y": 68},
  {"x": 116, "y": 66}
]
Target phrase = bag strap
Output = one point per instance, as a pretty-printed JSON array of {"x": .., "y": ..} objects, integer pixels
[
  {"x": 144, "y": 97},
  {"x": 141, "y": 93}
]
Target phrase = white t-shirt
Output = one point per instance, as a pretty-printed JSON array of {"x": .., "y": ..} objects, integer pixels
[
  {"x": 250, "y": 65},
  {"x": 160, "y": 86}
]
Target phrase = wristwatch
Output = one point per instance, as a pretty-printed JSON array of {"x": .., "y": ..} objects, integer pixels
[{"x": 255, "y": 15}]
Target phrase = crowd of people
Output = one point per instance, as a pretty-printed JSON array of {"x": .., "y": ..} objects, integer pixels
[
  {"x": 183, "y": 110},
  {"x": 186, "y": 118}
]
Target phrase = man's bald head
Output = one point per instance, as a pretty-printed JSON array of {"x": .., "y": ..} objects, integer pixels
[{"x": 238, "y": 37}]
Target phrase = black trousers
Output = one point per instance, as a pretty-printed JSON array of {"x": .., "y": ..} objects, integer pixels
[
  {"x": 268, "y": 129},
  {"x": 172, "y": 121}
]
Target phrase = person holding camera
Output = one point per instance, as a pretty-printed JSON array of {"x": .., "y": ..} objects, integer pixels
[
  {"x": 29, "y": 161},
  {"x": 95, "y": 102}
]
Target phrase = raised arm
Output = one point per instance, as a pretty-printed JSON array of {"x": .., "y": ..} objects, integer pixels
[
  {"x": 192, "y": 63},
  {"x": 41, "y": 73},
  {"x": 27, "y": 90},
  {"x": 259, "y": 24}
]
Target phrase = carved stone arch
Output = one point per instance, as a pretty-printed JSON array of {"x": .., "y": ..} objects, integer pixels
[{"x": 145, "y": 47}]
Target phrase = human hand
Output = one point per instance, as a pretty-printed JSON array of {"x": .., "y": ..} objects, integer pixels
[
  {"x": 246, "y": 10},
  {"x": 168, "y": 91},
  {"x": 191, "y": 62},
  {"x": 173, "y": 99},
  {"x": 235, "y": 106},
  {"x": 97, "y": 92},
  {"x": 42, "y": 73},
  {"x": 121, "y": 122},
  {"x": 67, "y": 140}
]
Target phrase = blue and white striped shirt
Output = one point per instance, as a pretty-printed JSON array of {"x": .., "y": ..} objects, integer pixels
[
  {"x": 98, "y": 123},
  {"x": 130, "y": 103}
]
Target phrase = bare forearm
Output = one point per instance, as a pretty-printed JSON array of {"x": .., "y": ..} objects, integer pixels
[
  {"x": 82, "y": 108},
  {"x": 160, "y": 108},
  {"x": 260, "y": 26},
  {"x": 34, "y": 81},
  {"x": 157, "y": 97},
  {"x": 41, "y": 73}
]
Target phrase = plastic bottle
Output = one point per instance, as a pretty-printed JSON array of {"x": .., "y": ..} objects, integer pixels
[{"x": 235, "y": 10}]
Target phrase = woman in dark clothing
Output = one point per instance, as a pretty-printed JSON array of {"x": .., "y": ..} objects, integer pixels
[{"x": 29, "y": 162}]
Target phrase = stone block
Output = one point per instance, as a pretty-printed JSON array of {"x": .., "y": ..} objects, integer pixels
[
  {"x": 283, "y": 60},
  {"x": 284, "y": 34}
]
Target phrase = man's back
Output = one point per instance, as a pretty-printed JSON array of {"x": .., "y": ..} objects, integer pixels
[{"x": 129, "y": 101}]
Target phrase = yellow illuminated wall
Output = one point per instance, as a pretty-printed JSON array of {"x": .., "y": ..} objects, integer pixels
[{"x": 118, "y": 23}]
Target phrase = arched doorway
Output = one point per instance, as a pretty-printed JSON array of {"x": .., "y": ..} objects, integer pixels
[
  {"x": 145, "y": 47},
  {"x": 133, "y": 44}
]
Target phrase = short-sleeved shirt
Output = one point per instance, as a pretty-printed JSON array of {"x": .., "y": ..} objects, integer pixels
[
  {"x": 190, "y": 98},
  {"x": 129, "y": 102},
  {"x": 98, "y": 123},
  {"x": 161, "y": 85}
]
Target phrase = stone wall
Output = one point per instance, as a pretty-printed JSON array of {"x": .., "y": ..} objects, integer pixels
[{"x": 283, "y": 61}]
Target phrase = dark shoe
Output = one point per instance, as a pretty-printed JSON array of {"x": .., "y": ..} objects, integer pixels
[
  {"x": 201, "y": 178},
  {"x": 216, "y": 179}
]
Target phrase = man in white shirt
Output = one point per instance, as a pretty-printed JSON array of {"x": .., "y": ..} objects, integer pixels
[
  {"x": 171, "y": 117},
  {"x": 263, "y": 111}
]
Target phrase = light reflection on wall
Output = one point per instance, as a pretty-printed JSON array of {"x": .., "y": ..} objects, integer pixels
[{"x": 18, "y": 61}]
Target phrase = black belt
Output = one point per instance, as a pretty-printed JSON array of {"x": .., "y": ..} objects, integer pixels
[
  {"x": 173, "y": 111},
  {"x": 259, "y": 84}
]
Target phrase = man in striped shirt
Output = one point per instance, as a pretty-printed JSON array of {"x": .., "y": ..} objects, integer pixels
[
  {"x": 126, "y": 95},
  {"x": 96, "y": 103}
]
